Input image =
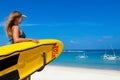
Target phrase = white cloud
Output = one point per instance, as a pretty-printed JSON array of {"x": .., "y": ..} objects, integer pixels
[
  {"x": 30, "y": 24},
  {"x": 2, "y": 23},
  {"x": 107, "y": 37},
  {"x": 66, "y": 24},
  {"x": 74, "y": 42}
]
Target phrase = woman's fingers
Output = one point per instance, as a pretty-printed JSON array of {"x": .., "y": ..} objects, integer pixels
[{"x": 36, "y": 41}]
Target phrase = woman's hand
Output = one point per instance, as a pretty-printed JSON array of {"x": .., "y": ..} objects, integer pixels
[{"x": 35, "y": 41}]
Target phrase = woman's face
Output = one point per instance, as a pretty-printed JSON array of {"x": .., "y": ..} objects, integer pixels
[{"x": 19, "y": 20}]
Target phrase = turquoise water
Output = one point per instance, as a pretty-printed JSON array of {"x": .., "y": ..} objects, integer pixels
[{"x": 94, "y": 59}]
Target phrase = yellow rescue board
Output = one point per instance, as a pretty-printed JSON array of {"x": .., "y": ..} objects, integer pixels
[{"x": 20, "y": 60}]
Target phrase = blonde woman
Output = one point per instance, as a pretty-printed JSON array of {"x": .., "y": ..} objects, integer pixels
[{"x": 13, "y": 30}]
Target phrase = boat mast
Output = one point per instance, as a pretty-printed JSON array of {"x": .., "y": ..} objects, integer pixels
[{"x": 113, "y": 51}]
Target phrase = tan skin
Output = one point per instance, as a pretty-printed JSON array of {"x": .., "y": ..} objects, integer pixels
[{"x": 17, "y": 31}]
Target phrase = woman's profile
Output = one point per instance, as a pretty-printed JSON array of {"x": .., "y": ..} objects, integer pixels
[{"x": 13, "y": 30}]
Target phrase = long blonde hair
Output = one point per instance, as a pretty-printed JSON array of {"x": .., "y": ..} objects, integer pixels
[{"x": 10, "y": 22}]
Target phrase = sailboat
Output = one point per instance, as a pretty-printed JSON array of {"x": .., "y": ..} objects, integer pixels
[
  {"x": 110, "y": 57},
  {"x": 83, "y": 56},
  {"x": 105, "y": 56}
]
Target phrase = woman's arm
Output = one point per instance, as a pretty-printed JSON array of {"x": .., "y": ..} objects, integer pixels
[{"x": 16, "y": 38}]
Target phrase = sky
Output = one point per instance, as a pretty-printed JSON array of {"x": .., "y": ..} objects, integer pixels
[{"x": 79, "y": 24}]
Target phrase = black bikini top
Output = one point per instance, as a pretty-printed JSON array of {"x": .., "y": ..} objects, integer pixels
[{"x": 20, "y": 36}]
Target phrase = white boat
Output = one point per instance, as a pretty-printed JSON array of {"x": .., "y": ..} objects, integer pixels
[
  {"x": 110, "y": 57},
  {"x": 105, "y": 56},
  {"x": 83, "y": 56}
]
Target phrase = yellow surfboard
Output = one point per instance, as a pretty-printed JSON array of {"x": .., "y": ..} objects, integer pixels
[{"x": 17, "y": 61}]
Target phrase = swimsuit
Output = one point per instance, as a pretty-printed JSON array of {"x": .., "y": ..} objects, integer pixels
[{"x": 20, "y": 36}]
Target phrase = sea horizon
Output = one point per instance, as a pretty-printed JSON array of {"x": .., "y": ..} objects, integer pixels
[{"x": 88, "y": 49}]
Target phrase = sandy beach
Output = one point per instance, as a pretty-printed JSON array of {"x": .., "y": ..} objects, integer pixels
[{"x": 72, "y": 73}]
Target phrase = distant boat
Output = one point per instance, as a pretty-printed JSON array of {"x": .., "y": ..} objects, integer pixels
[
  {"x": 105, "y": 56},
  {"x": 83, "y": 56},
  {"x": 110, "y": 57}
]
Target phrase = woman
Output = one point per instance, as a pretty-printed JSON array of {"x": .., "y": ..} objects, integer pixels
[{"x": 13, "y": 30}]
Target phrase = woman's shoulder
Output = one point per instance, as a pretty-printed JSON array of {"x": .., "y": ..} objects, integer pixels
[{"x": 15, "y": 27}]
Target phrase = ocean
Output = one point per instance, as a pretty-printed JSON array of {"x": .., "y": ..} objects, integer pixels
[{"x": 88, "y": 59}]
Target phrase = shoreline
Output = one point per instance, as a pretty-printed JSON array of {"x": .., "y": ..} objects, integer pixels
[
  {"x": 73, "y": 73},
  {"x": 85, "y": 67}
]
